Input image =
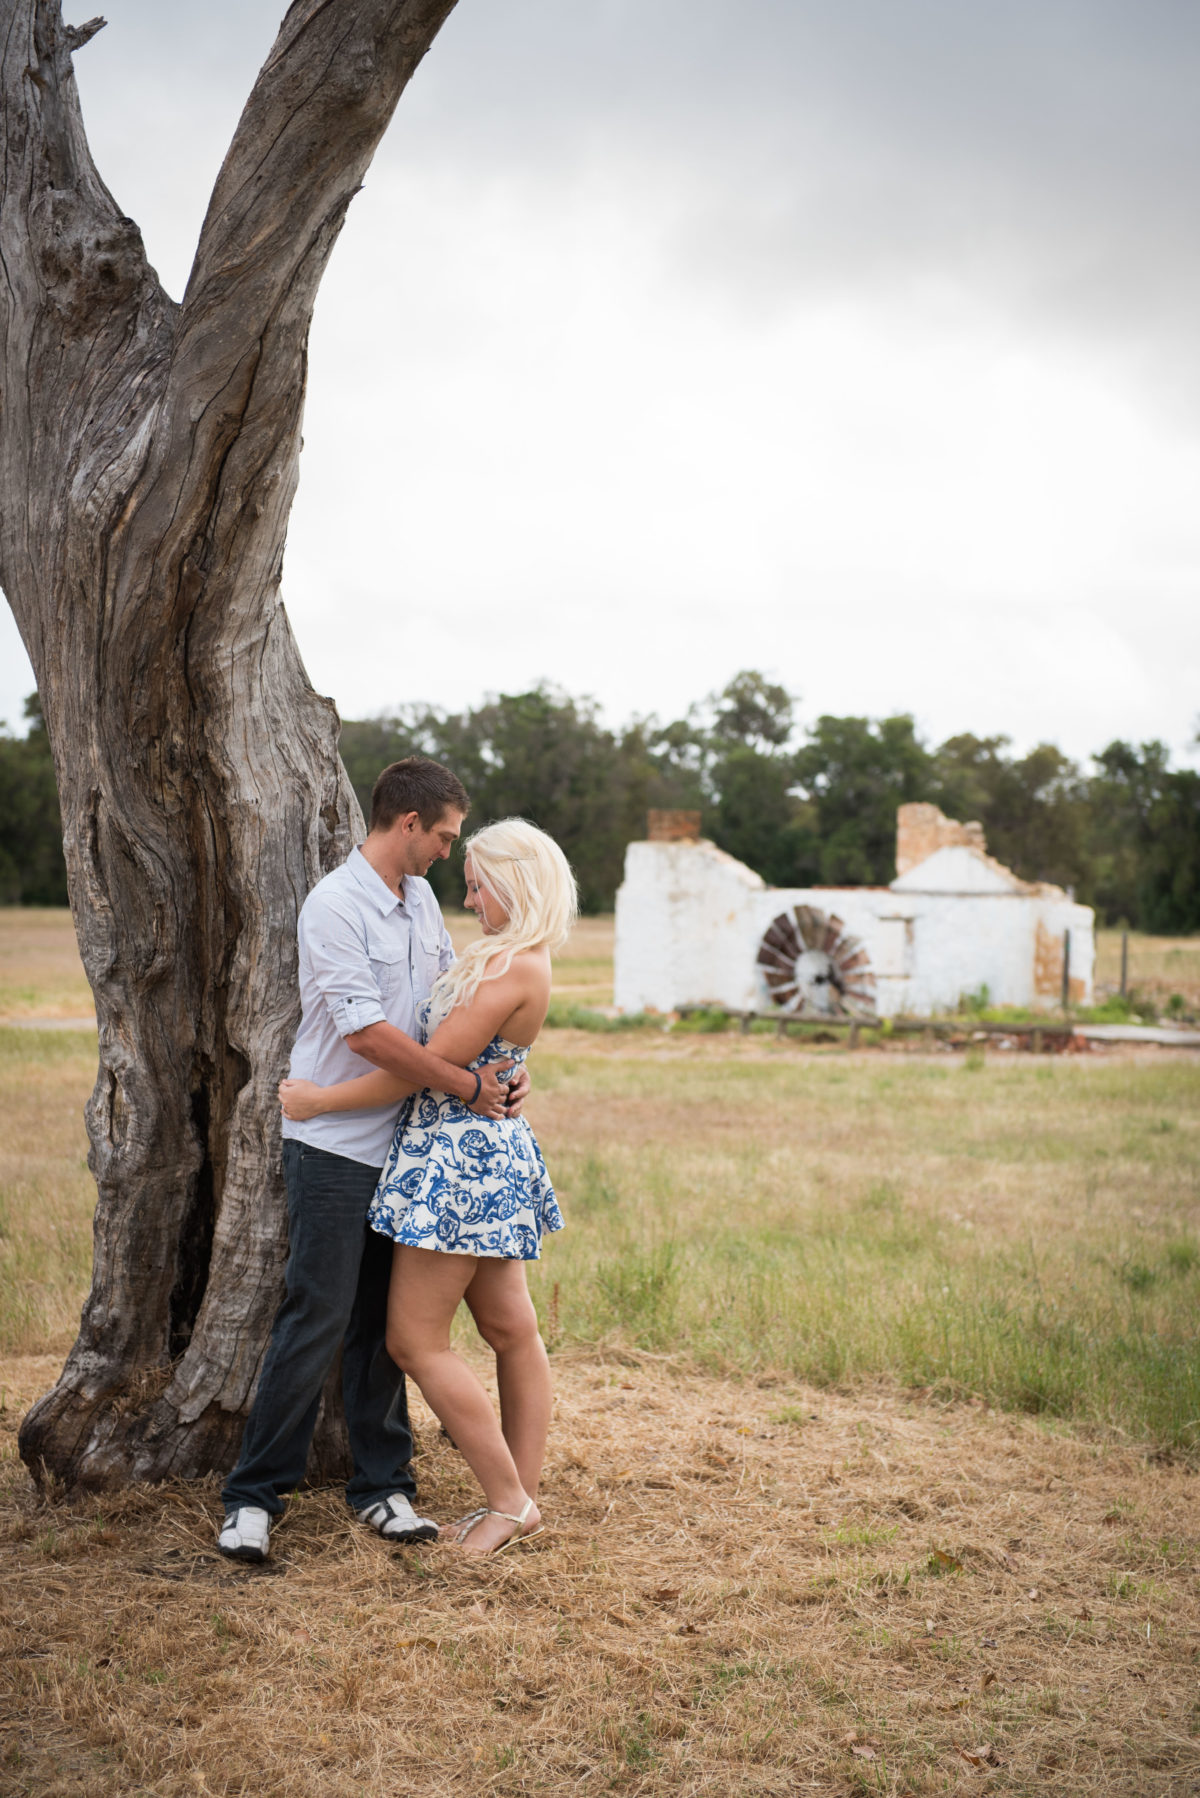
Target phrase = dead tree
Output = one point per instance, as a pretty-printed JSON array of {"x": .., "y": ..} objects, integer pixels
[{"x": 148, "y": 459}]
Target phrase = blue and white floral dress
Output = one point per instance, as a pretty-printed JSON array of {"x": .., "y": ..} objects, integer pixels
[{"x": 463, "y": 1184}]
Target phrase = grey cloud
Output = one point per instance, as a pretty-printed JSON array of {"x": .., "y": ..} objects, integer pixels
[{"x": 1043, "y": 153}]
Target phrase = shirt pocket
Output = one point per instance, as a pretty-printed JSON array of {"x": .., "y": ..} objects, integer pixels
[
  {"x": 429, "y": 962},
  {"x": 389, "y": 966}
]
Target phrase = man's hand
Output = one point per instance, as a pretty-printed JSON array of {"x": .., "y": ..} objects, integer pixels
[
  {"x": 518, "y": 1092},
  {"x": 493, "y": 1093}
]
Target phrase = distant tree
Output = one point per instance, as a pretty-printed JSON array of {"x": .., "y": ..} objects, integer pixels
[
  {"x": 856, "y": 772},
  {"x": 1126, "y": 782},
  {"x": 32, "y": 869},
  {"x": 1145, "y": 838},
  {"x": 754, "y": 713},
  {"x": 539, "y": 755},
  {"x": 1033, "y": 808},
  {"x": 1170, "y": 874}
]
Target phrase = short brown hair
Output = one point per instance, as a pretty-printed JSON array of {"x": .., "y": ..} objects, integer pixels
[{"x": 416, "y": 785}]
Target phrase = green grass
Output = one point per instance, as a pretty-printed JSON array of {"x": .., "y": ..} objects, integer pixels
[
  {"x": 1024, "y": 1231},
  {"x": 1027, "y": 1234},
  {"x": 567, "y": 1014}
]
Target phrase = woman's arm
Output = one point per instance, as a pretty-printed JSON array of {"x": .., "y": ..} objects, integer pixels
[
  {"x": 302, "y": 1099},
  {"x": 515, "y": 1002}
]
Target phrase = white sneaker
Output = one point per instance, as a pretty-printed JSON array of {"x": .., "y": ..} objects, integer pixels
[
  {"x": 395, "y": 1520},
  {"x": 246, "y": 1534}
]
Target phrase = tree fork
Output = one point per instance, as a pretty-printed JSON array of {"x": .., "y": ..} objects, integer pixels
[{"x": 149, "y": 451}]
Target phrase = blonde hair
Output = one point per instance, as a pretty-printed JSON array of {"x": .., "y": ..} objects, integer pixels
[{"x": 531, "y": 879}]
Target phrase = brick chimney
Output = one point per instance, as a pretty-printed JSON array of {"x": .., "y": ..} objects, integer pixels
[
  {"x": 673, "y": 827},
  {"x": 922, "y": 829}
]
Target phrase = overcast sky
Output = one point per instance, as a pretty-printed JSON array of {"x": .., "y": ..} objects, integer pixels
[{"x": 853, "y": 340}]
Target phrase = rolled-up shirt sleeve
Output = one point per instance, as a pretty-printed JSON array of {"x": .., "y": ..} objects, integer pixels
[{"x": 335, "y": 944}]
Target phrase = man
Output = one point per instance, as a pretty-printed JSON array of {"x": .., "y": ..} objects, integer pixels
[{"x": 372, "y": 943}]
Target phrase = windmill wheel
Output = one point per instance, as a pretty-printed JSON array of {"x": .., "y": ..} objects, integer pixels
[{"x": 814, "y": 967}]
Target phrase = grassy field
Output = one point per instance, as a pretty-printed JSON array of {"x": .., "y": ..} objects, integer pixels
[
  {"x": 1161, "y": 968},
  {"x": 40, "y": 974},
  {"x": 873, "y": 1467}
]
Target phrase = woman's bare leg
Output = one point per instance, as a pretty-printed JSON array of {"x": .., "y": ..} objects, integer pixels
[
  {"x": 425, "y": 1292},
  {"x": 498, "y": 1297}
]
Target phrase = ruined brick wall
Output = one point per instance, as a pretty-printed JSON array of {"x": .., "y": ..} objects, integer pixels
[
  {"x": 922, "y": 829},
  {"x": 673, "y": 827}
]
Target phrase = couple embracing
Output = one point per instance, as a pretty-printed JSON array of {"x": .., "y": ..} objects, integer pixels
[{"x": 413, "y": 1182}]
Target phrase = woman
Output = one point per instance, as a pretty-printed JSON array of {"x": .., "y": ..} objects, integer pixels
[{"x": 465, "y": 1198}]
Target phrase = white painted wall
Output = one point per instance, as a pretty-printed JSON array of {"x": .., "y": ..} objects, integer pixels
[
  {"x": 685, "y": 913},
  {"x": 690, "y": 920}
]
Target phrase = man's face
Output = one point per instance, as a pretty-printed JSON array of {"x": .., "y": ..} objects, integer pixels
[{"x": 420, "y": 848}]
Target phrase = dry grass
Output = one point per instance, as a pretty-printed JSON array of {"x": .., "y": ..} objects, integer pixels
[
  {"x": 47, "y": 1195},
  {"x": 41, "y": 975},
  {"x": 1159, "y": 966},
  {"x": 40, "y": 971},
  {"x": 746, "y": 1589},
  {"x": 752, "y": 1585}
]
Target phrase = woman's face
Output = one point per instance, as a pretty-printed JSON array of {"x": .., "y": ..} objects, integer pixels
[{"x": 487, "y": 908}]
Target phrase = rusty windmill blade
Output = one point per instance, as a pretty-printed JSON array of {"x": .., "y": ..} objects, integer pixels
[{"x": 812, "y": 965}]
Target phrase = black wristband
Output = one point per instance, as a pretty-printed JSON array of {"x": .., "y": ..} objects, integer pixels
[{"x": 478, "y": 1088}]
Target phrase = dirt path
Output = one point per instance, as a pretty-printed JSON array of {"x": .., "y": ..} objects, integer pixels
[{"x": 743, "y": 1589}]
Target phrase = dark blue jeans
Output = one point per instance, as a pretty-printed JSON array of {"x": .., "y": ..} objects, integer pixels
[{"x": 337, "y": 1278}]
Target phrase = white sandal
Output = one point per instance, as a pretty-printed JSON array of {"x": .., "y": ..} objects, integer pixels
[
  {"x": 455, "y": 1532},
  {"x": 519, "y": 1535}
]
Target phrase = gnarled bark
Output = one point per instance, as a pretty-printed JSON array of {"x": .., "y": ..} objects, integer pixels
[{"x": 148, "y": 459}]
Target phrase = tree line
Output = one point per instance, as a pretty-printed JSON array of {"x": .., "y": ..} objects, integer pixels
[{"x": 803, "y": 806}]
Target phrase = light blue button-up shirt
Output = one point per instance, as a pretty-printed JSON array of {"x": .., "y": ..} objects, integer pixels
[{"x": 366, "y": 957}]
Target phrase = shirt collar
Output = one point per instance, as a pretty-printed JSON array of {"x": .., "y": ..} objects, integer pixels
[{"x": 375, "y": 888}]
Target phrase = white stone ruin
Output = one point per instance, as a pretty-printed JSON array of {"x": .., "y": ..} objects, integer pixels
[{"x": 696, "y": 927}]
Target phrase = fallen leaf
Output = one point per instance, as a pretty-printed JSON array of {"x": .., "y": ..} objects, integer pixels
[
  {"x": 1112, "y": 1518},
  {"x": 983, "y": 1756},
  {"x": 690, "y": 1629},
  {"x": 416, "y": 1642},
  {"x": 1083, "y": 1614},
  {"x": 478, "y": 1609},
  {"x": 944, "y": 1562},
  {"x": 616, "y": 1617},
  {"x": 864, "y": 1751},
  {"x": 929, "y": 1626},
  {"x": 665, "y": 1594},
  {"x": 1033, "y": 1593},
  {"x": 986, "y": 1679}
]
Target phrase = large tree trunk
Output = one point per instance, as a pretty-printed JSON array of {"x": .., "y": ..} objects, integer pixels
[{"x": 148, "y": 459}]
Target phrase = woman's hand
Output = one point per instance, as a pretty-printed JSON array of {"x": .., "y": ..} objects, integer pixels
[{"x": 301, "y": 1099}]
